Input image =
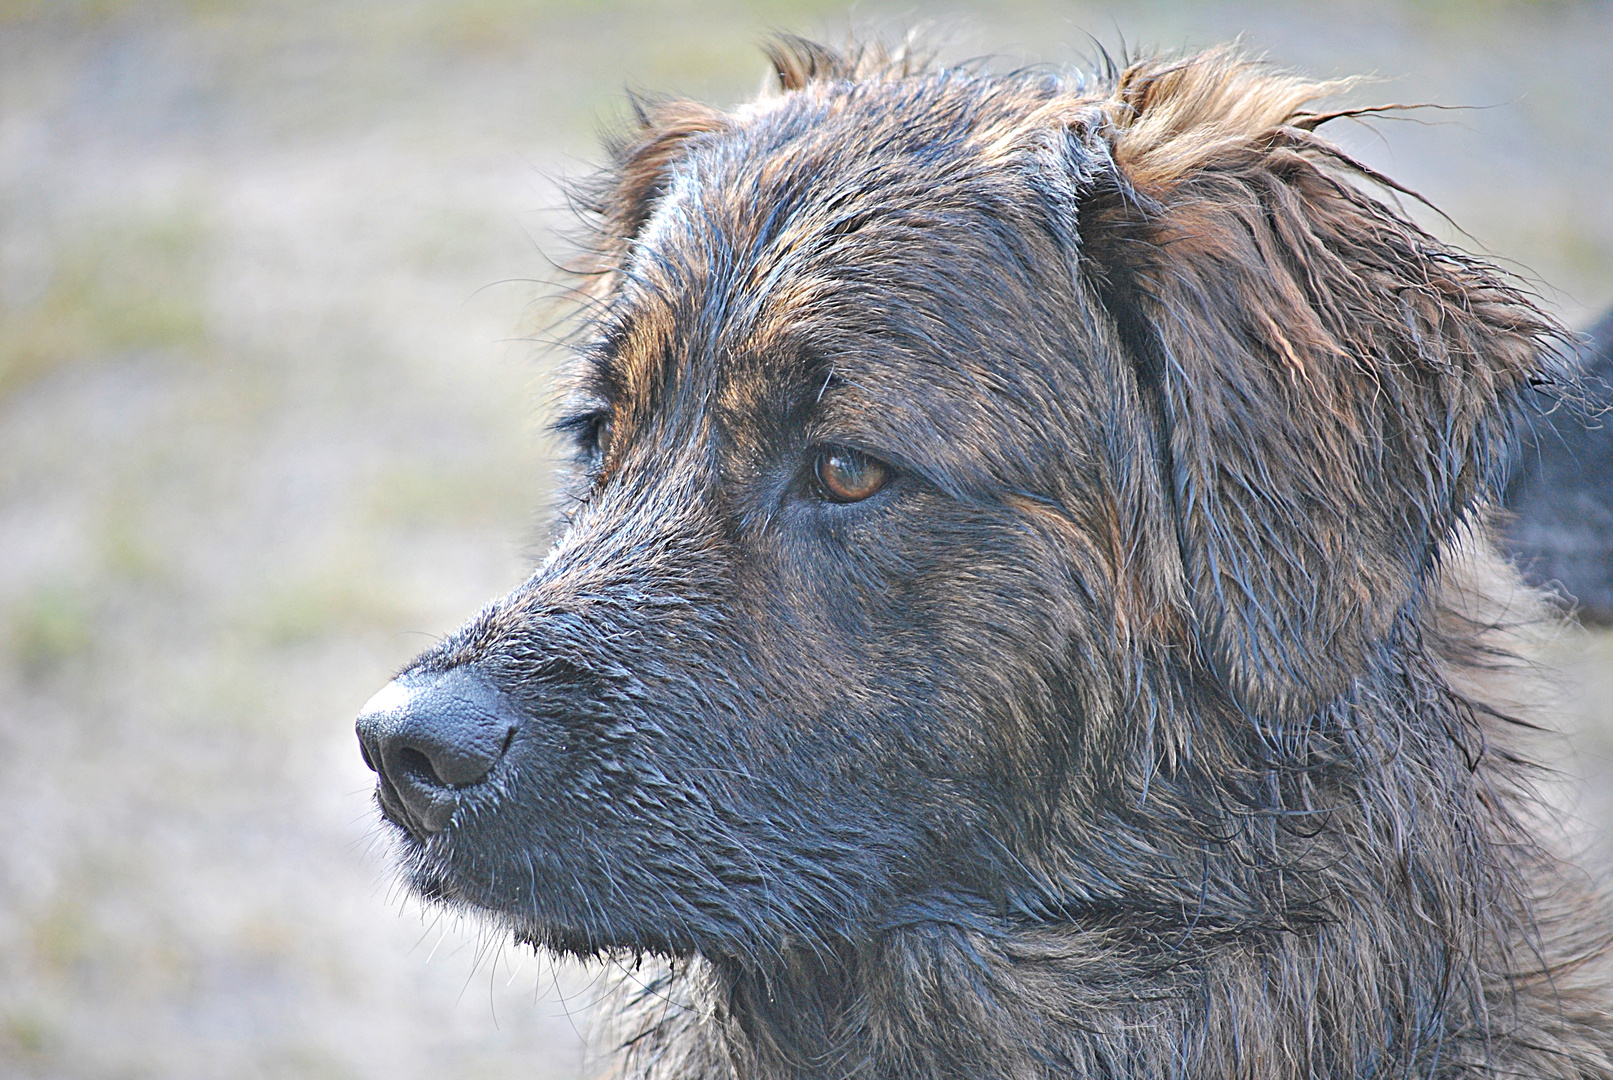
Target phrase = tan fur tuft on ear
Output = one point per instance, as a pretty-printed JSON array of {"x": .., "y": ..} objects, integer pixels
[
  {"x": 799, "y": 63},
  {"x": 1170, "y": 117}
]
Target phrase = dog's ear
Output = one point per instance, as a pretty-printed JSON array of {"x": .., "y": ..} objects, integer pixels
[
  {"x": 799, "y": 63},
  {"x": 644, "y": 162},
  {"x": 642, "y": 168},
  {"x": 1335, "y": 384}
]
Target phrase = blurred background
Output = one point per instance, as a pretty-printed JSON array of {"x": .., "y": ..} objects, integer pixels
[{"x": 272, "y": 387}]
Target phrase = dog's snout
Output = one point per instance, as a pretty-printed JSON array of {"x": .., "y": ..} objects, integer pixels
[{"x": 432, "y": 736}]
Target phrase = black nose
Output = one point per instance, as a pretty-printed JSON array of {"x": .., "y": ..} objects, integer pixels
[{"x": 430, "y": 737}]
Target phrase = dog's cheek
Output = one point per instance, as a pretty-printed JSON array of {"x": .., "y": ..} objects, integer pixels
[{"x": 941, "y": 628}]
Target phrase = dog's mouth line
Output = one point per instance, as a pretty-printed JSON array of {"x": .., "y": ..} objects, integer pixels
[{"x": 521, "y": 915}]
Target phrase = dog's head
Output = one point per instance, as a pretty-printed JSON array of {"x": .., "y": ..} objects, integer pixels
[{"x": 983, "y": 486}]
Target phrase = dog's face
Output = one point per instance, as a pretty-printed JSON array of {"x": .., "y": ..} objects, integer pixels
[{"x": 904, "y": 511}]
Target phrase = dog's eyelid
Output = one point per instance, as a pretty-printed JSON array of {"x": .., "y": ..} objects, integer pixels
[
  {"x": 590, "y": 430},
  {"x": 820, "y": 439},
  {"x": 581, "y": 420}
]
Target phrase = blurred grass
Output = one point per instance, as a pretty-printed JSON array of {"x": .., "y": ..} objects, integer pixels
[
  {"x": 326, "y": 601},
  {"x": 48, "y": 627},
  {"x": 268, "y": 410},
  {"x": 119, "y": 287}
]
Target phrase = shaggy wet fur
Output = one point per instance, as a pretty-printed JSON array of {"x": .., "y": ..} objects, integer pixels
[{"x": 1154, "y": 720}]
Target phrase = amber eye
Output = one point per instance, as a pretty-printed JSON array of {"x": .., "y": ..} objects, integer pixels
[{"x": 847, "y": 476}]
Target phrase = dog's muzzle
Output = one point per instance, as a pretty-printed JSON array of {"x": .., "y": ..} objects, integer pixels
[{"x": 432, "y": 738}]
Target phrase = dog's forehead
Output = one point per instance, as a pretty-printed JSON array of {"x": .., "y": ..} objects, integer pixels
[{"x": 833, "y": 231}]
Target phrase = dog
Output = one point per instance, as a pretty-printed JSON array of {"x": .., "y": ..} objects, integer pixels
[{"x": 1025, "y": 605}]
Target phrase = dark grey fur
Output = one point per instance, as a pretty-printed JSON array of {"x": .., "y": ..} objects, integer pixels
[{"x": 1151, "y": 722}]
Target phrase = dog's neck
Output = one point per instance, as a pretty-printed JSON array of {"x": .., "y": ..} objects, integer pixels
[{"x": 1063, "y": 1001}]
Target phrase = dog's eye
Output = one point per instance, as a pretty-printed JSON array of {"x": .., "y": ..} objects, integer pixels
[
  {"x": 845, "y": 476},
  {"x": 598, "y": 438},
  {"x": 591, "y": 432}
]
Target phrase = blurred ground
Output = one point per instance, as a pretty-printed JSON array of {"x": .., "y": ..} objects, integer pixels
[{"x": 270, "y": 417}]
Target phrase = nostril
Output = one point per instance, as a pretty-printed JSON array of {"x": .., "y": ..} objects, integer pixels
[
  {"x": 446, "y": 759},
  {"x": 364, "y": 752},
  {"x": 417, "y": 766},
  {"x": 431, "y": 735}
]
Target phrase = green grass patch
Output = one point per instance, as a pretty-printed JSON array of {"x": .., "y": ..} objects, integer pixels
[
  {"x": 332, "y": 600},
  {"x": 428, "y": 497},
  {"x": 49, "y": 628},
  {"x": 25, "y": 1035},
  {"x": 134, "y": 285}
]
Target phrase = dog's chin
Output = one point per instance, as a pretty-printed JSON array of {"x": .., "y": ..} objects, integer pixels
[
  {"x": 540, "y": 930},
  {"x": 564, "y": 941},
  {"x": 428, "y": 865}
]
